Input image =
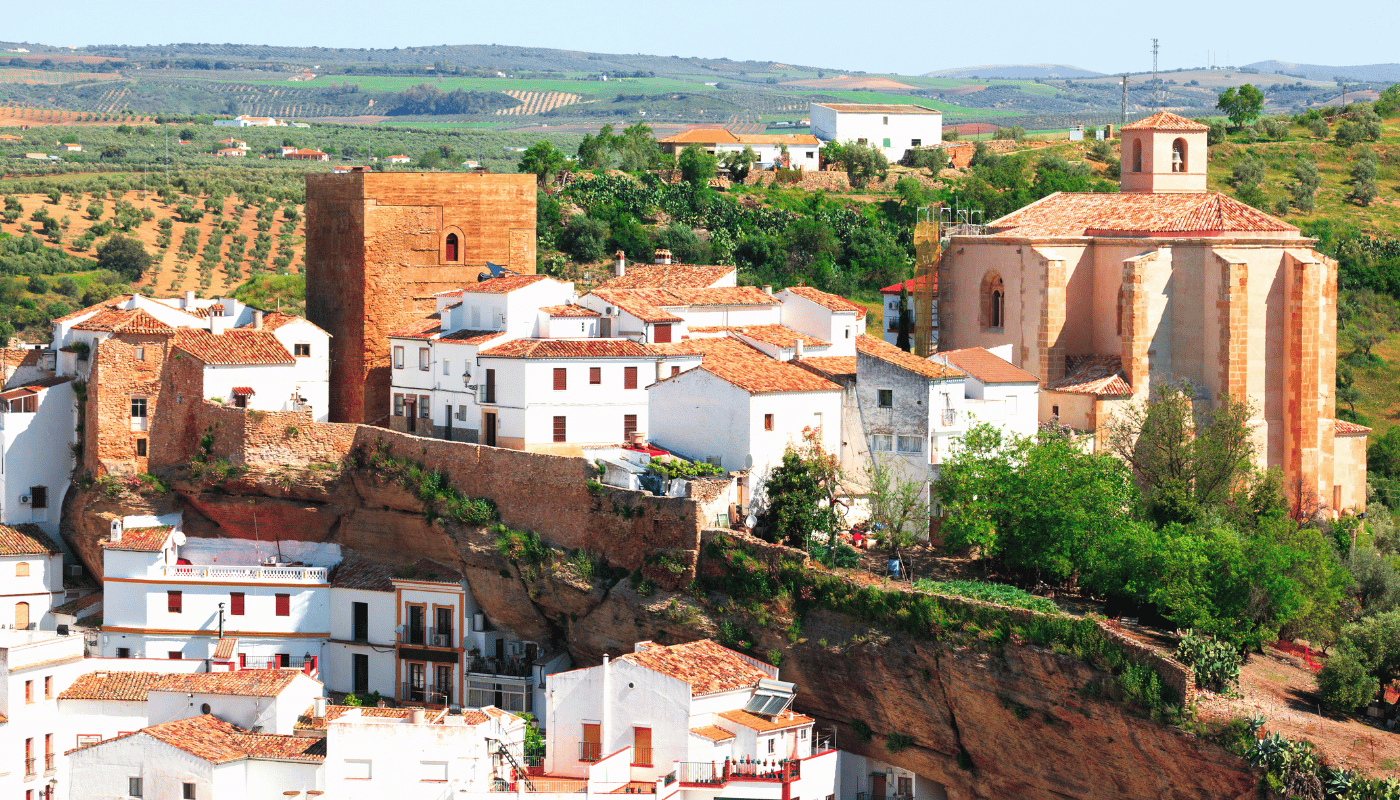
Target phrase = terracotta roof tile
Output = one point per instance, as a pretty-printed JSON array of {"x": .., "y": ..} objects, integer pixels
[
  {"x": 1341, "y": 427},
  {"x": 888, "y": 353},
  {"x": 723, "y": 296},
  {"x": 425, "y": 328},
  {"x": 144, "y": 539},
  {"x": 1165, "y": 121},
  {"x": 471, "y": 337},
  {"x": 503, "y": 284},
  {"x": 109, "y": 303},
  {"x": 763, "y": 724},
  {"x": 987, "y": 367},
  {"x": 569, "y": 348},
  {"x": 79, "y": 604},
  {"x": 272, "y": 320},
  {"x": 225, "y": 648},
  {"x": 644, "y": 304},
  {"x": 238, "y": 346},
  {"x": 701, "y": 136},
  {"x": 1097, "y": 375},
  {"x": 1102, "y": 214},
  {"x": 218, "y": 742},
  {"x": 799, "y": 139},
  {"x": 877, "y": 108},
  {"x": 25, "y": 539},
  {"x": 307, "y": 722},
  {"x": 705, "y": 665},
  {"x": 833, "y": 302},
  {"x": 913, "y": 284},
  {"x": 426, "y": 569},
  {"x": 831, "y": 365},
  {"x": 779, "y": 335},
  {"x": 358, "y": 573},
  {"x": 123, "y": 321},
  {"x": 112, "y": 685},
  {"x": 669, "y": 276},
  {"x": 246, "y": 682},
  {"x": 749, "y": 369},
  {"x": 570, "y": 310},
  {"x": 713, "y": 732}
]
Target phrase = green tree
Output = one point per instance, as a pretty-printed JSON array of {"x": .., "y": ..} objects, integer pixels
[
  {"x": 593, "y": 150},
  {"x": 898, "y": 503},
  {"x": 1317, "y": 126},
  {"x": 584, "y": 238},
  {"x": 1245, "y": 176},
  {"x": 697, "y": 165},
  {"x": 862, "y": 161},
  {"x": 542, "y": 159},
  {"x": 125, "y": 256},
  {"x": 800, "y": 493},
  {"x": 1242, "y": 105},
  {"x": 1344, "y": 682},
  {"x": 1305, "y": 184},
  {"x": 739, "y": 163},
  {"x": 1363, "y": 179},
  {"x": 906, "y": 319}
]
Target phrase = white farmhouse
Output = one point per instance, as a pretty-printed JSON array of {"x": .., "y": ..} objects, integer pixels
[
  {"x": 790, "y": 150},
  {"x": 109, "y": 700},
  {"x": 31, "y": 567},
  {"x": 998, "y": 392},
  {"x": 37, "y": 431},
  {"x": 892, "y": 128},
  {"x": 34, "y": 667}
]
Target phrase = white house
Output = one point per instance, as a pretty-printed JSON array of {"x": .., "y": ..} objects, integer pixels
[
  {"x": 37, "y": 430},
  {"x": 34, "y": 667},
  {"x": 824, "y": 315},
  {"x": 792, "y": 150},
  {"x": 199, "y": 758},
  {"x": 890, "y": 296},
  {"x": 32, "y": 569},
  {"x": 421, "y": 755},
  {"x": 109, "y": 699},
  {"x": 998, "y": 392},
  {"x": 245, "y": 121},
  {"x": 717, "y": 720},
  {"x": 892, "y": 128}
]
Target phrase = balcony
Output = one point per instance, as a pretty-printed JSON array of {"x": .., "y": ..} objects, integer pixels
[
  {"x": 516, "y": 667},
  {"x": 29, "y": 773},
  {"x": 432, "y": 694},
  {"x": 277, "y": 662},
  {"x": 710, "y": 773},
  {"x": 205, "y": 572},
  {"x": 641, "y": 756},
  {"x": 590, "y": 751},
  {"x": 49, "y": 768},
  {"x": 424, "y": 637}
]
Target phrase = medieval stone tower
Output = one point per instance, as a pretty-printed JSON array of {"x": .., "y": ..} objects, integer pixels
[
  {"x": 1164, "y": 153},
  {"x": 380, "y": 245}
]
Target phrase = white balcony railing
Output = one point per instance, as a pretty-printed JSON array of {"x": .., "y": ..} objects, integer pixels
[{"x": 201, "y": 572}]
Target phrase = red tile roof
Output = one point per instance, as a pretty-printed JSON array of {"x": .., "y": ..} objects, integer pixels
[
  {"x": 112, "y": 685},
  {"x": 471, "y": 337},
  {"x": 833, "y": 302},
  {"x": 831, "y": 365},
  {"x": 986, "y": 366},
  {"x": 1101, "y": 214},
  {"x": 425, "y": 328},
  {"x": 913, "y": 284},
  {"x": 888, "y": 353},
  {"x": 246, "y": 682},
  {"x": 779, "y": 335},
  {"x": 742, "y": 365},
  {"x": 109, "y": 303},
  {"x": 272, "y": 320},
  {"x": 211, "y": 739},
  {"x": 763, "y": 724},
  {"x": 570, "y": 310},
  {"x": 120, "y": 321},
  {"x": 701, "y": 136},
  {"x": 238, "y": 346},
  {"x": 569, "y": 348},
  {"x": 503, "y": 284},
  {"x": 427, "y": 570},
  {"x": 244, "y": 390},
  {"x": 1341, "y": 427},
  {"x": 225, "y": 648},
  {"x": 1096, "y": 375},
  {"x": 358, "y": 573},
  {"x": 669, "y": 276},
  {"x": 1165, "y": 121},
  {"x": 705, "y": 665},
  {"x": 640, "y": 303},
  {"x": 877, "y": 108},
  {"x": 713, "y": 732},
  {"x": 307, "y": 722},
  {"x": 799, "y": 139},
  {"x": 79, "y": 604},
  {"x": 143, "y": 539},
  {"x": 25, "y": 539},
  {"x": 723, "y": 296}
]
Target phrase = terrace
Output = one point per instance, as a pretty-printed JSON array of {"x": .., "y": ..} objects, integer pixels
[{"x": 277, "y": 573}]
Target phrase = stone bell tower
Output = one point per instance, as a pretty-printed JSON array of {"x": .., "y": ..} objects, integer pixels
[{"x": 1165, "y": 152}]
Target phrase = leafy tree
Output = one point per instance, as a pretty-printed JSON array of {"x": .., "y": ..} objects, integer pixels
[
  {"x": 906, "y": 319},
  {"x": 593, "y": 150},
  {"x": 187, "y": 134},
  {"x": 54, "y": 195},
  {"x": 697, "y": 165},
  {"x": 1242, "y": 105},
  {"x": 1344, "y": 683},
  {"x": 1363, "y": 179},
  {"x": 681, "y": 241},
  {"x": 1347, "y": 390},
  {"x": 1245, "y": 176},
  {"x": 898, "y": 503},
  {"x": 862, "y": 161},
  {"x": 186, "y": 212},
  {"x": 584, "y": 238},
  {"x": 933, "y": 159},
  {"x": 125, "y": 256},
  {"x": 1305, "y": 184},
  {"x": 1375, "y": 643},
  {"x": 1317, "y": 126},
  {"x": 983, "y": 156},
  {"x": 1367, "y": 317},
  {"x": 801, "y": 493},
  {"x": 542, "y": 159},
  {"x": 739, "y": 163}
]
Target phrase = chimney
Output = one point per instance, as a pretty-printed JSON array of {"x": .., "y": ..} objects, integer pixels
[
  {"x": 768, "y": 289},
  {"x": 117, "y": 529},
  {"x": 189, "y": 299},
  {"x": 318, "y": 708},
  {"x": 797, "y": 349},
  {"x": 620, "y": 263},
  {"x": 218, "y": 323},
  {"x": 663, "y": 257},
  {"x": 257, "y": 320},
  {"x": 417, "y": 716}
]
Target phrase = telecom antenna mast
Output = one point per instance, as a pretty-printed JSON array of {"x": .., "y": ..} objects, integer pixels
[
  {"x": 1123, "y": 114},
  {"x": 1156, "y": 86}
]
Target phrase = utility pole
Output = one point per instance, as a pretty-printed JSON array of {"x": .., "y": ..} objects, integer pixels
[
  {"x": 1156, "y": 101},
  {"x": 1123, "y": 115}
]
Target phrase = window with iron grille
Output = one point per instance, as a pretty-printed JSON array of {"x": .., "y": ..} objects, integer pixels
[
  {"x": 595, "y": 375},
  {"x": 629, "y": 378},
  {"x": 561, "y": 379},
  {"x": 560, "y": 430},
  {"x": 629, "y": 426}
]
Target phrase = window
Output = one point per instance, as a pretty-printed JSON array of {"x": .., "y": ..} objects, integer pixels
[
  {"x": 22, "y": 569},
  {"x": 1137, "y": 155},
  {"x": 450, "y": 250},
  {"x": 916, "y": 142},
  {"x": 1122, "y": 297},
  {"x": 398, "y": 358},
  {"x": 561, "y": 379},
  {"x": 446, "y": 366},
  {"x": 811, "y": 154},
  {"x": 860, "y": 141},
  {"x": 359, "y": 672},
  {"x": 886, "y": 398},
  {"x": 817, "y": 420},
  {"x": 1054, "y": 411},
  {"x": 48, "y": 687},
  {"x": 490, "y": 386},
  {"x": 133, "y": 787},
  {"x": 357, "y": 770},
  {"x": 629, "y": 377},
  {"x": 661, "y": 332},
  {"x": 398, "y": 405},
  {"x": 284, "y": 605},
  {"x": 768, "y": 422},
  {"x": 301, "y": 349},
  {"x": 591, "y": 747},
  {"x": 887, "y": 142},
  {"x": 188, "y": 791},
  {"x": 560, "y": 430},
  {"x": 29, "y": 691},
  {"x": 883, "y": 121},
  {"x": 235, "y": 603},
  {"x": 993, "y": 302},
  {"x": 772, "y": 743},
  {"x": 174, "y": 655},
  {"x": 432, "y": 771},
  {"x": 803, "y": 735},
  {"x": 595, "y": 376},
  {"x": 423, "y": 410},
  {"x": 629, "y": 426},
  {"x": 424, "y": 358},
  {"x": 641, "y": 747},
  {"x": 1179, "y": 155},
  {"x": 138, "y": 413},
  {"x": 140, "y": 353},
  {"x": 22, "y": 616},
  {"x": 174, "y": 602},
  {"x": 359, "y": 621},
  {"x": 462, "y": 413},
  {"x": 123, "y": 652},
  {"x": 882, "y": 442},
  {"x": 141, "y": 446},
  {"x": 675, "y": 371},
  {"x": 911, "y": 444}
]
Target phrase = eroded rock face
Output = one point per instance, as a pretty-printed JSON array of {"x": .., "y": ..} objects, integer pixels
[{"x": 1018, "y": 714}]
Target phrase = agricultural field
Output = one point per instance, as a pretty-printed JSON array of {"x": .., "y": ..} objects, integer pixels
[{"x": 21, "y": 75}]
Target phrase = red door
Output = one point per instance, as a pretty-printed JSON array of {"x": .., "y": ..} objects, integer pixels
[{"x": 410, "y": 410}]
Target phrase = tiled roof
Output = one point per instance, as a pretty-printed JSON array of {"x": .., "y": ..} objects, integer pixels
[
  {"x": 751, "y": 370},
  {"x": 987, "y": 367},
  {"x": 123, "y": 321},
  {"x": 763, "y": 724},
  {"x": 426, "y": 569},
  {"x": 913, "y": 284},
  {"x": 147, "y": 539},
  {"x": 425, "y": 328},
  {"x": 723, "y": 296},
  {"x": 25, "y": 539},
  {"x": 705, "y": 665},
  {"x": 272, "y": 320},
  {"x": 471, "y": 337},
  {"x": 779, "y": 335},
  {"x": 641, "y": 303},
  {"x": 831, "y": 365},
  {"x": 569, "y": 348},
  {"x": 503, "y": 284},
  {"x": 109, "y": 303},
  {"x": 112, "y": 685},
  {"x": 79, "y": 604},
  {"x": 225, "y": 648},
  {"x": 876, "y": 108},
  {"x": 358, "y": 573},
  {"x": 1341, "y": 427},
  {"x": 1097, "y": 375},
  {"x": 1101, "y": 214},
  {"x": 701, "y": 136},
  {"x": 668, "y": 276},
  {"x": 888, "y": 353},
  {"x": 713, "y": 732},
  {"x": 307, "y": 722},
  {"x": 238, "y": 346},
  {"x": 833, "y": 302},
  {"x": 245, "y": 682},
  {"x": 800, "y": 139},
  {"x": 218, "y": 742},
  {"x": 1165, "y": 121},
  {"x": 570, "y": 310}
]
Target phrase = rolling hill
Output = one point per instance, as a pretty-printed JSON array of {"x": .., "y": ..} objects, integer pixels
[{"x": 1014, "y": 71}]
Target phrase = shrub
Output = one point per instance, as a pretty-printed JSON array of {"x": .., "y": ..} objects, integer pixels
[
  {"x": 1216, "y": 664},
  {"x": 862, "y": 730},
  {"x": 1344, "y": 682},
  {"x": 897, "y": 742}
]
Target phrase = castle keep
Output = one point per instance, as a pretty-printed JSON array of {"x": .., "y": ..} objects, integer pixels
[{"x": 379, "y": 245}]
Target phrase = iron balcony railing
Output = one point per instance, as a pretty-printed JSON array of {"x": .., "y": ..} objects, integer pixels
[
  {"x": 432, "y": 694},
  {"x": 715, "y": 773},
  {"x": 641, "y": 756},
  {"x": 590, "y": 751},
  {"x": 29, "y": 767},
  {"x": 427, "y": 637}
]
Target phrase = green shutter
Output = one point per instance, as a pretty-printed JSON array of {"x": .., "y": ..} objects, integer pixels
[{"x": 887, "y": 143}]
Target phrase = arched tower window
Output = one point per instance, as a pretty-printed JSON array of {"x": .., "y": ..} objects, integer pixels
[
  {"x": 451, "y": 248},
  {"x": 1137, "y": 155},
  {"x": 22, "y": 570},
  {"x": 1179, "y": 155},
  {"x": 993, "y": 302}
]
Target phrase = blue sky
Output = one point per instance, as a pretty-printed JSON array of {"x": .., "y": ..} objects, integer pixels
[{"x": 892, "y": 36}]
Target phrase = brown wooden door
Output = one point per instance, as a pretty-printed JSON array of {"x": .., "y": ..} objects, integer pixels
[
  {"x": 877, "y": 786},
  {"x": 488, "y": 423},
  {"x": 410, "y": 410},
  {"x": 21, "y": 616}
]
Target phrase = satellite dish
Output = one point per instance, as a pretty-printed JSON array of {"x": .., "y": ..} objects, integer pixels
[
  {"x": 752, "y": 521},
  {"x": 179, "y": 538},
  {"x": 748, "y": 461}
]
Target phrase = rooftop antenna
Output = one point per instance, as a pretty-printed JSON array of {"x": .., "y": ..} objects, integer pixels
[
  {"x": 1123, "y": 114},
  {"x": 1156, "y": 88}
]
